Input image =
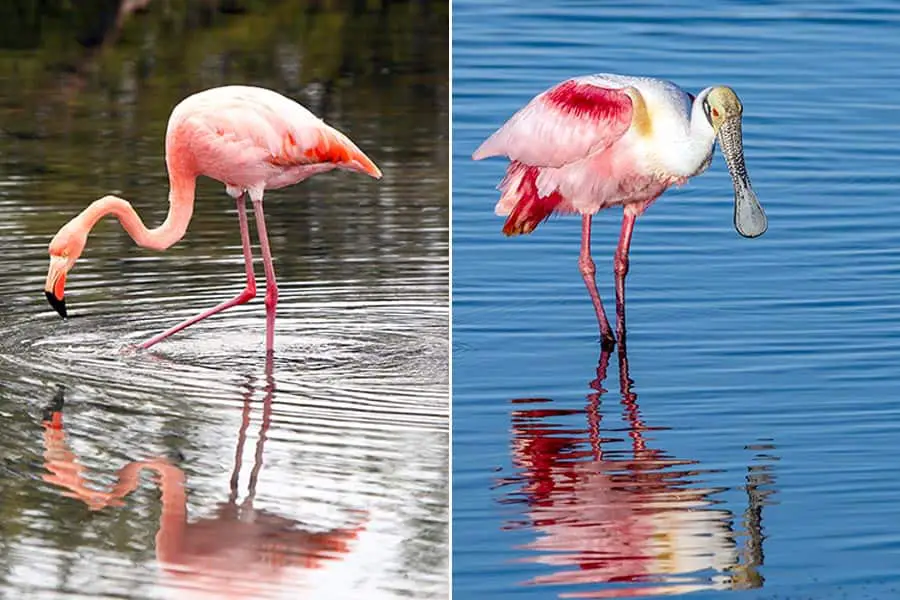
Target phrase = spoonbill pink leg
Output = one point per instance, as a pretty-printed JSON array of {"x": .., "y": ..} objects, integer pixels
[
  {"x": 588, "y": 271},
  {"x": 271, "y": 283},
  {"x": 620, "y": 265},
  {"x": 245, "y": 296}
]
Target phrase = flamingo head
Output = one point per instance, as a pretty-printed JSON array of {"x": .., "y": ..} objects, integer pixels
[
  {"x": 65, "y": 248},
  {"x": 723, "y": 110}
]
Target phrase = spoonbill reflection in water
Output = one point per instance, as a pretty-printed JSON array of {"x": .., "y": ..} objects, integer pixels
[
  {"x": 599, "y": 141},
  {"x": 627, "y": 521},
  {"x": 251, "y": 139}
]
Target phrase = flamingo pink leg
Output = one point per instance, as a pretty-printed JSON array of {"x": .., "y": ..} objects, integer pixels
[
  {"x": 620, "y": 266},
  {"x": 588, "y": 271},
  {"x": 245, "y": 296},
  {"x": 271, "y": 283}
]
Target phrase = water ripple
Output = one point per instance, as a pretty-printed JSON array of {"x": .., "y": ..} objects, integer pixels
[
  {"x": 320, "y": 472},
  {"x": 790, "y": 337}
]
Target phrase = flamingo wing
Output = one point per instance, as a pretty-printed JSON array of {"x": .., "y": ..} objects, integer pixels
[
  {"x": 252, "y": 131},
  {"x": 317, "y": 143},
  {"x": 564, "y": 124}
]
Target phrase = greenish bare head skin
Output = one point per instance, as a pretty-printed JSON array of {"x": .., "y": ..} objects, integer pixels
[
  {"x": 723, "y": 110},
  {"x": 721, "y": 104}
]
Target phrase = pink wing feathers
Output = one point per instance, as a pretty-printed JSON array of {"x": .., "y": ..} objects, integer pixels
[
  {"x": 250, "y": 136},
  {"x": 563, "y": 125},
  {"x": 317, "y": 143}
]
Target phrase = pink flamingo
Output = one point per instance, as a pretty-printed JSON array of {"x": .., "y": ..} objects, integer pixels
[
  {"x": 251, "y": 139},
  {"x": 598, "y": 141}
]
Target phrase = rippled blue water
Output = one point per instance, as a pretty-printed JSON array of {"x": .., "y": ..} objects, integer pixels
[{"x": 756, "y": 447}]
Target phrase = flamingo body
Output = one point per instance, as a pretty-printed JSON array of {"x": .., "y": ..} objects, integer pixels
[
  {"x": 251, "y": 139},
  {"x": 598, "y": 141}
]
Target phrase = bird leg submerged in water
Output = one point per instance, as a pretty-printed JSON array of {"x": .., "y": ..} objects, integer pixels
[
  {"x": 620, "y": 266},
  {"x": 245, "y": 296},
  {"x": 271, "y": 283}
]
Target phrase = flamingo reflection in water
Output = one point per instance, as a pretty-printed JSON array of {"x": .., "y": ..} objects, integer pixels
[
  {"x": 633, "y": 522},
  {"x": 239, "y": 551}
]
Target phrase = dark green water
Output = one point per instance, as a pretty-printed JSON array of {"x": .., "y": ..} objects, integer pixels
[{"x": 349, "y": 495}]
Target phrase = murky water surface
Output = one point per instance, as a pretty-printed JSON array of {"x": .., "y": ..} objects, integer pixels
[
  {"x": 751, "y": 443},
  {"x": 200, "y": 469}
]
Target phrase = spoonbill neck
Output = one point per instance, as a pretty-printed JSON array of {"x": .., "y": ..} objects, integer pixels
[{"x": 694, "y": 154}]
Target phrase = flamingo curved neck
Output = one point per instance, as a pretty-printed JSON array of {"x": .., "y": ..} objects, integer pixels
[
  {"x": 173, "y": 520},
  {"x": 181, "y": 208}
]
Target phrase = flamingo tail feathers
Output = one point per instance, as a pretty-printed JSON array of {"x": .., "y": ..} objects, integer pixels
[
  {"x": 328, "y": 146},
  {"x": 335, "y": 147}
]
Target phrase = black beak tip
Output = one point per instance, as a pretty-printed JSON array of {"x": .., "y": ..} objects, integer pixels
[
  {"x": 55, "y": 405},
  {"x": 58, "y": 305}
]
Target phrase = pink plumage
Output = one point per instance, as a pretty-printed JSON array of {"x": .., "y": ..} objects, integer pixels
[
  {"x": 562, "y": 125},
  {"x": 251, "y": 139},
  {"x": 520, "y": 199},
  {"x": 569, "y": 135},
  {"x": 599, "y": 141}
]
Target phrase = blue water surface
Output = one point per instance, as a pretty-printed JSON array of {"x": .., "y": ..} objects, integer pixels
[{"x": 756, "y": 447}]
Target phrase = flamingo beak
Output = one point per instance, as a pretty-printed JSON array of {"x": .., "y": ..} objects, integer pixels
[
  {"x": 749, "y": 217},
  {"x": 55, "y": 287}
]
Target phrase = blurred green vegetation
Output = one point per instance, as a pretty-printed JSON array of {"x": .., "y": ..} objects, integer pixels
[{"x": 69, "y": 73}]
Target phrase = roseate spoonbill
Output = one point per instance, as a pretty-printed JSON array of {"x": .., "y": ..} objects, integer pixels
[
  {"x": 598, "y": 141},
  {"x": 251, "y": 139}
]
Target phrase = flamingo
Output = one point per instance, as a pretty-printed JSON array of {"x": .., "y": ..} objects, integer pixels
[
  {"x": 598, "y": 141},
  {"x": 249, "y": 138}
]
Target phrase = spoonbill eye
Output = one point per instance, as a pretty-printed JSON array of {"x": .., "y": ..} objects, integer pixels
[{"x": 706, "y": 111}]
